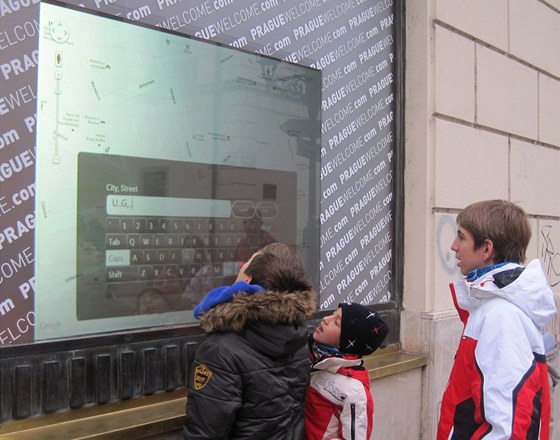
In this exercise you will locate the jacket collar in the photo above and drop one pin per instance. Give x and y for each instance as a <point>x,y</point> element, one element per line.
<point>276,308</point>
<point>529,291</point>
<point>333,364</point>
<point>477,273</point>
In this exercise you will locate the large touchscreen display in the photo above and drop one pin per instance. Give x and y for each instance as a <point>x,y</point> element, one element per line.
<point>163,161</point>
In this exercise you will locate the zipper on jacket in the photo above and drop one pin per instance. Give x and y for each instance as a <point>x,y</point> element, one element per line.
<point>353,421</point>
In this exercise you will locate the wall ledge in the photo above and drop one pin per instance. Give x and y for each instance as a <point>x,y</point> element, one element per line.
<point>131,419</point>
<point>391,360</point>
<point>444,314</point>
<point>159,413</point>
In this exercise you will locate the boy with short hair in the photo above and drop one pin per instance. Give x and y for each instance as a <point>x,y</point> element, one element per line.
<point>250,374</point>
<point>338,403</point>
<point>498,387</point>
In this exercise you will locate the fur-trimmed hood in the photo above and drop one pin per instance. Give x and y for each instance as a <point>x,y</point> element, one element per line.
<point>276,308</point>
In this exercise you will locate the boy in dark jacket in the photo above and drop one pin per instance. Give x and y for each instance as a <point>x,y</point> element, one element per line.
<point>249,376</point>
<point>338,403</point>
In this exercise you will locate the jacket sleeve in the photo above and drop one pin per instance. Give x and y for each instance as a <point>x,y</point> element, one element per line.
<point>214,395</point>
<point>224,294</point>
<point>506,364</point>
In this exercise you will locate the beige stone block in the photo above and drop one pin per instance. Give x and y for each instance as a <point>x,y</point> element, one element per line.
<point>549,251</point>
<point>532,249</point>
<point>438,333</point>
<point>483,19</point>
<point>394,397</point>
<point>554,328</point>
<point>535,178</point>
<point>445,268</point>
<point>507,94</point>
<point>419,108</point>
<point>549,110</point>
<point>447,333</point>
<point>454,75</point>
<point>471,165</point>
<point>534,34</point>
<point>413,337</point>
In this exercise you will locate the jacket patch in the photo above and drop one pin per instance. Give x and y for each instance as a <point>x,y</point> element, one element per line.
<point>202,376</point>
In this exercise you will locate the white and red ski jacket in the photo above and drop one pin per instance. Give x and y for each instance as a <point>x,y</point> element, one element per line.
<point>498,387</point>
<point>338,403</point>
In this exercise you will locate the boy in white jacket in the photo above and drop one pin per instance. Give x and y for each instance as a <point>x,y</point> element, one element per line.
<point>338,402</point>
<point>498,388</point>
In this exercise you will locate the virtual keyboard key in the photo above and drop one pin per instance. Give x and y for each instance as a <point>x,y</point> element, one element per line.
<point>147,240</point>
<point>200,226</point>
<point>133,241</point>
<point>136,257</point>
<point>177,225</point>
<point>117,257</point>
<point>162,256</point>
<point>150,257</point>
<point>127,225</point>
<point>145,272</point>
<point>183,271</point>
<point>158,272</point>
<point>175,256</point>
<point>159,241</point>
<point>152,225</point>
<point>125,273</point>
<point>188,256</point>
<point>115,241</point>
<point>173,241</point>
<point>139,225</point>
<point>171,271</point>
<point>112,224</point>
<point>164,224</point>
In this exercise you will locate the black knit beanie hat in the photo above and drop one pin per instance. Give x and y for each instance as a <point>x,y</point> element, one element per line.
<point>362,330</point>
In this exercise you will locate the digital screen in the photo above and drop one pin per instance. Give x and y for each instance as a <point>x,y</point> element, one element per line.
<point>163,163</point>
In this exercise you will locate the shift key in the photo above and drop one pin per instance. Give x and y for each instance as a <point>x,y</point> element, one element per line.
<point>122,273</point>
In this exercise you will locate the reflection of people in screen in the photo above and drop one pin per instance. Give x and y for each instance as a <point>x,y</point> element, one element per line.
<point>152,300</point>
<point>256,238</point>
<point>206,276</point>
<point>200,284</point>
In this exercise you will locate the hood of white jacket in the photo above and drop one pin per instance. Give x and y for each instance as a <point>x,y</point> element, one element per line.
<point>530,292</point>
